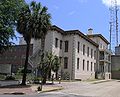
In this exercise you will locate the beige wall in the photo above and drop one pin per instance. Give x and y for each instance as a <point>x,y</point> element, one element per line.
<point>72,72</point>
<point>80,73</point>
<point>100,42</point>
<point>72,53</point>
<point>103,47</point>
<point>60,52</point>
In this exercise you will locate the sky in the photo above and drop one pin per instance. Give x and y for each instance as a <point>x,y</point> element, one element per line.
<point>80,15</point>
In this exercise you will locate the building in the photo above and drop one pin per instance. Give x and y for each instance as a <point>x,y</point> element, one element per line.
<point>115,60</point>
<point>117,50</point>
<point>13,58</point>
<point>82,57</point>
<point>104,54</point>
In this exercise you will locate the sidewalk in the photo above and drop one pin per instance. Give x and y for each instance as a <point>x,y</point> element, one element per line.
<point>100,81</point>
<point>47,88</point>
<point>28,90</point>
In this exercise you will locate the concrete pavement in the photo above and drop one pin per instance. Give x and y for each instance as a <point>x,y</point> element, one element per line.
<point>104,89</point>
<point>28,90</point>
<point>73,89</point>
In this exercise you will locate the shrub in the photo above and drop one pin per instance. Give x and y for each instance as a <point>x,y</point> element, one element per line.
<point>10,78</point>
<point>36,80</point>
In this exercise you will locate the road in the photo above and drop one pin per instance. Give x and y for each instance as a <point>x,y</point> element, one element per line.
<point>105,89</point>
<point>50,94</point>
<point>81,89</point>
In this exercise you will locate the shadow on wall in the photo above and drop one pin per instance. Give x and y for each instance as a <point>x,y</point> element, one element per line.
<point>65,75</point>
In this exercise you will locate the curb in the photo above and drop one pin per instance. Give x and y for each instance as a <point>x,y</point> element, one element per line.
<point>60,88</point>
<point>14,93</point>
<point>101,81</point>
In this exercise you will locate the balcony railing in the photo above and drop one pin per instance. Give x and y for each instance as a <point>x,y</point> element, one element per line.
<point>104,59</point>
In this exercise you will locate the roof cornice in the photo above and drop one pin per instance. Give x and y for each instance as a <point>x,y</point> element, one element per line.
<point>99,35</point>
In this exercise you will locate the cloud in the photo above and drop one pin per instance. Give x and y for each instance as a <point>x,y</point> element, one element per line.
<point>108,3</point>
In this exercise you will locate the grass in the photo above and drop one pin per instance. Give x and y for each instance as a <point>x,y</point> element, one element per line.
<point>19,76</point>
<point>2,77</point>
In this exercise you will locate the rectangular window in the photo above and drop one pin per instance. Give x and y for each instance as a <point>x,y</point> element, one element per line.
<point>94,67</point>
<point>60,58</point>
<point>83,64</point>
<point>91,53</point>
<point>56,42</point>
<point>60,44</point>
<point>66,46</point>
<point>83,49</point>
<point>77,63</point>
<point>91,66</point>
<point>88,51</point>
<point>78,46</point>
<point>94,54</point>
<point>87,65</point>
<point>65,62</point>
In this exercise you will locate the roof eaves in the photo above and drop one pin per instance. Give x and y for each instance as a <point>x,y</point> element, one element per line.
<point>82,35</point>
<point>54,27</point>
<point>101,36</point>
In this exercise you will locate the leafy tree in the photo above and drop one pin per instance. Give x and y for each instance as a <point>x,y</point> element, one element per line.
<point>8,16</point>
<point>33,22</point>
<point>56,65</point>
<point>51,63</point>
<point>49,60</point>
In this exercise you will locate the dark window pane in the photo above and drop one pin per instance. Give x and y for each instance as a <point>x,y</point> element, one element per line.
<point>77,63</point>
<point>87,65</point>
<point>83,64</point>
<point>65,62</point>
<point>66,46</point>
<point>88,51</point>
<point>56,42</point>
<point>83,49</point>
<point>91,66</point>
<point>78,46</point>
<point>60,44</point>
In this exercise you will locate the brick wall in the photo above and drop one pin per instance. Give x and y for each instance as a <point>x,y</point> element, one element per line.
<point>15,56</point>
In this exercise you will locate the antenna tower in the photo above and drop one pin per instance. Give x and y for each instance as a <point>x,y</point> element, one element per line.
<point>114,25</point>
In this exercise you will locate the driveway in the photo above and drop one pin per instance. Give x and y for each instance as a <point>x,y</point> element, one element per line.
<point>104,89</point>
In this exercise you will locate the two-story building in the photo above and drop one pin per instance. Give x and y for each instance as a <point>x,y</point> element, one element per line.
<point>104,54</point>
<point>82,56</point>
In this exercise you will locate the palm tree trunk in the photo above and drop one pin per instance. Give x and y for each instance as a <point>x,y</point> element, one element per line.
<point>26,64</point>
<point>56,75</point>
<point>42,57</point>
<point>49,75</point>
<point>44,79</point>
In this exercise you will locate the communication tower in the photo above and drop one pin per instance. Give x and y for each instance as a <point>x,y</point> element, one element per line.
<point>114,31</point>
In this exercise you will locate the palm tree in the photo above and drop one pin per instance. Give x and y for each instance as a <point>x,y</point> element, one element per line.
<point>33,22</point>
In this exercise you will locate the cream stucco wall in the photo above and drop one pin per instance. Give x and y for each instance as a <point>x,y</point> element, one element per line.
<point>80,73</point>
<point>72,54</point>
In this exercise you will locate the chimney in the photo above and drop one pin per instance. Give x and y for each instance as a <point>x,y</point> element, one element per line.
<point>90,31</point>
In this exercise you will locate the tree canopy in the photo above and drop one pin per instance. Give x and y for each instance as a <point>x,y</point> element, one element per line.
<point>9,10</point>
<point>33,22</point>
